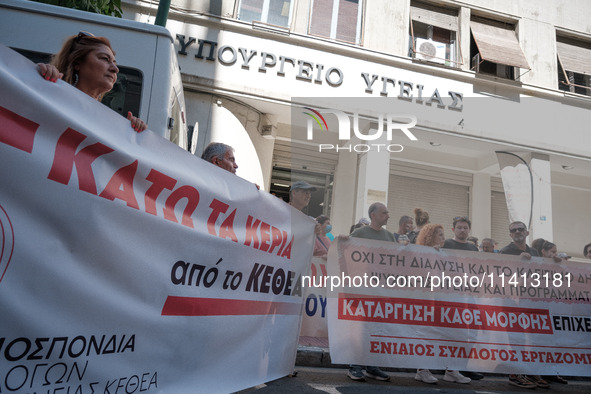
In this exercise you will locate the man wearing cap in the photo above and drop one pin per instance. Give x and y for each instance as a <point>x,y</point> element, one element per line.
<point>300,193</point>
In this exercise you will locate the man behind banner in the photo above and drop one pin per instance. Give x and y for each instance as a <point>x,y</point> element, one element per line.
<point>378,217</point>
<point>300,194</point>
<point>488,245</point>
<point>518,233</point>
<point>221,155</point>
<point>461,229</point>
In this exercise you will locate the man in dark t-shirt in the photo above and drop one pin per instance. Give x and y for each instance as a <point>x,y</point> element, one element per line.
<point>518,233</point>
<point>461,229</point>
<point>378,217</point>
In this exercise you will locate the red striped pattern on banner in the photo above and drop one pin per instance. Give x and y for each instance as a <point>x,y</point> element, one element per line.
<point>192,306</point>
<point>17,131</point>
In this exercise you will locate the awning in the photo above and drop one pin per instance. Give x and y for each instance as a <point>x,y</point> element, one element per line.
<point>574,58</point>
<point>440,18</point>
<point>498,45</point>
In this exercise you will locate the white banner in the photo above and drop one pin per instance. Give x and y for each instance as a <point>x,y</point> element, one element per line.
<point>130,265</point>
<point>413,306</point>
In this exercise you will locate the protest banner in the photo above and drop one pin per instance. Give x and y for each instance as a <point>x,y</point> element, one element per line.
<point>414,306</point>
<point>314,316</point>
<point>130,265</point>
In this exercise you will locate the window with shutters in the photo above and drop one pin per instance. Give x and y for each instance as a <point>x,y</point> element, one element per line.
<point>574,65</point>
<point>433,32</point>
<point>338,20</point>
<point>272,12</point>
<point>495,49</point>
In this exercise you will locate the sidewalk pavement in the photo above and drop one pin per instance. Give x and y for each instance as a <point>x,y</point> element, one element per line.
<point>316,380</point>
<point>313,352</point>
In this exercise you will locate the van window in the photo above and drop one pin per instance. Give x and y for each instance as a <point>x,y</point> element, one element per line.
<point>124,97</point>
<point>126,93</point>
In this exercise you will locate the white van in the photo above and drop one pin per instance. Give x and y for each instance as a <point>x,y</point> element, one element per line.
<point>149,82</point>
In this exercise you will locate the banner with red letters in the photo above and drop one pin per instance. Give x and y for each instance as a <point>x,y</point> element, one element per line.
<point>130,265</point>
<point>415,306</point>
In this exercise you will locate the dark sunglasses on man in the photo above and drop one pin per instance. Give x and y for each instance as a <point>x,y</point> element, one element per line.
<point>522,229</point>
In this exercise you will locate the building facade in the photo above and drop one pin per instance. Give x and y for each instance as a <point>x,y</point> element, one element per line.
<point>467,79</point>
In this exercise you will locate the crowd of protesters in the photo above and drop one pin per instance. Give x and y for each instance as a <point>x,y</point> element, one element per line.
<point>422,232</point>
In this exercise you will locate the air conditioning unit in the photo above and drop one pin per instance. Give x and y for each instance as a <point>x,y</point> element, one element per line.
<point>430,50</point>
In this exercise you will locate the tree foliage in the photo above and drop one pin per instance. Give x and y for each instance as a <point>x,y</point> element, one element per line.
<point>104,7</point>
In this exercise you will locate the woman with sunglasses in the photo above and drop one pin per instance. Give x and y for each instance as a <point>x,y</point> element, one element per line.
<point>88,63</point>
